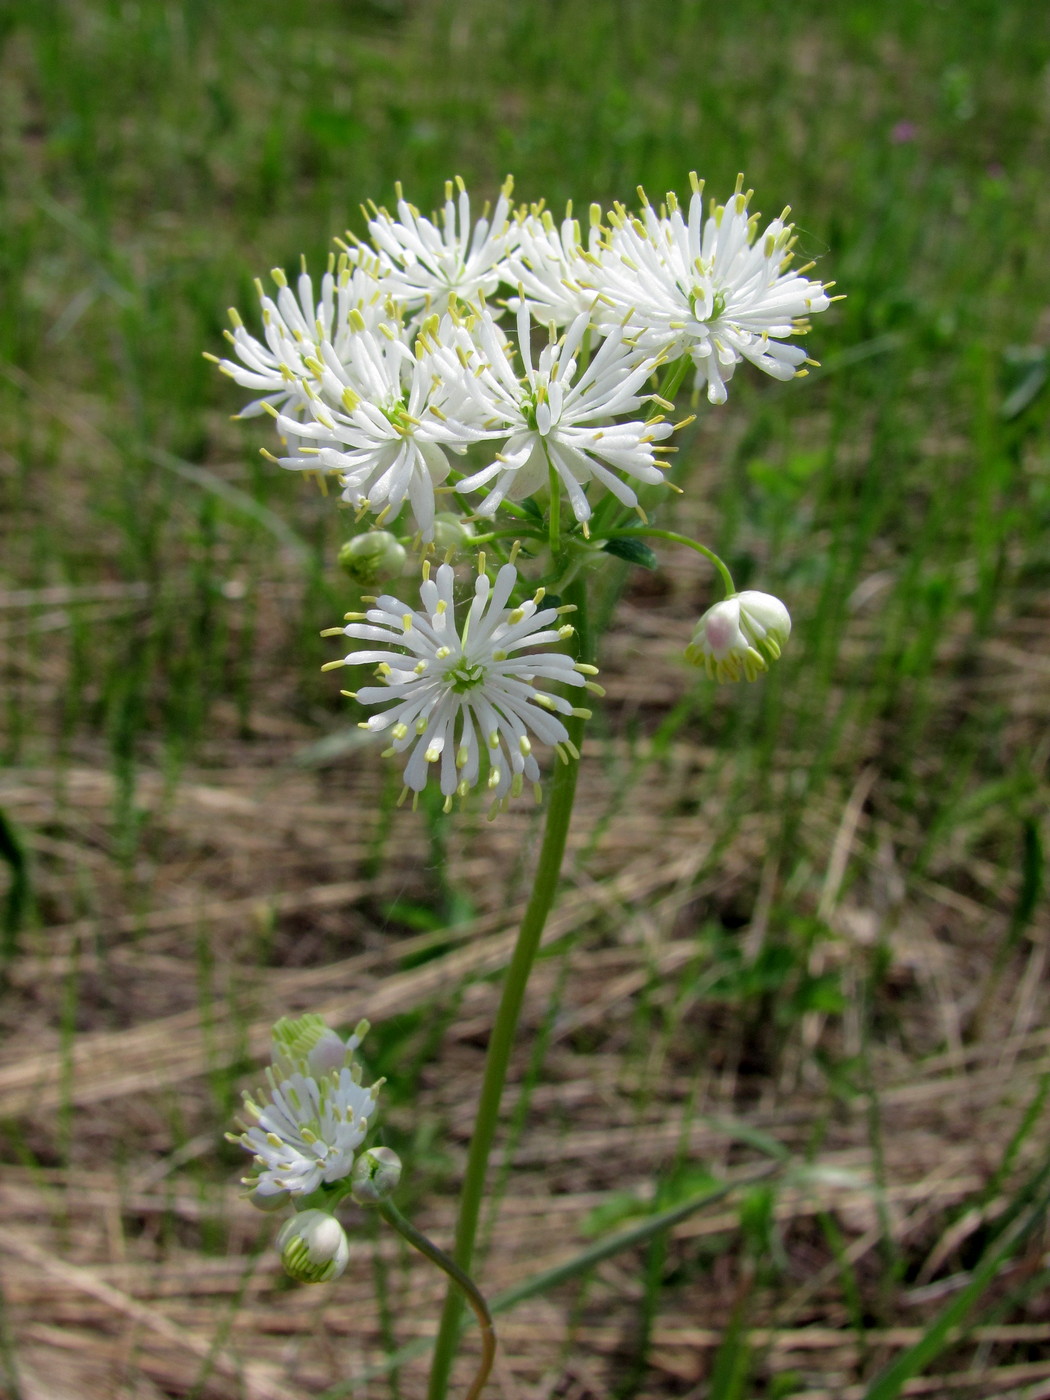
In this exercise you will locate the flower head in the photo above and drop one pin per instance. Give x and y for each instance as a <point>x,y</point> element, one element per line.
<point>557,417</point>
<point>305,1128</point>
<point>294,324</point>
<point>552,267</point>
<point>710,287</point>
<point>425,266</point>
<point>462,698</point>
<point>740,636</point>
<point>379,416</point>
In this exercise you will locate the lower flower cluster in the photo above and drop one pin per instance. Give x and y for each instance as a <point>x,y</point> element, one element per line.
<point>303,1132</point>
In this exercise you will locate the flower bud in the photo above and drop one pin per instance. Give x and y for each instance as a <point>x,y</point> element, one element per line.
<point>306,1045</point>
<point>372,557</point>
<point>314,1247</point>
<point>375,1176</point>
<point>740,636</point>
<point>450,532</point>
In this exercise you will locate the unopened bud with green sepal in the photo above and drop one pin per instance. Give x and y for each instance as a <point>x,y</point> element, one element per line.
<point>372,557</point>
<point>314,1247</point>
<point>375,1176</point>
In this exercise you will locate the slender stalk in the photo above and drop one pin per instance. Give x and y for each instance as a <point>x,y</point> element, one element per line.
<point>651,533</point>
<point>461,1280</point>
<point>554,512</point>
<point>545,885</point>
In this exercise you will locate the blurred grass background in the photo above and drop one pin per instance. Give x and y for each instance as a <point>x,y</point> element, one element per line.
<point>801,919</point>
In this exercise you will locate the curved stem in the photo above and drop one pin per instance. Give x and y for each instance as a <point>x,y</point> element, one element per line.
<point>673,538</point>
<point>462,1280</point>
<point>501,1042</point>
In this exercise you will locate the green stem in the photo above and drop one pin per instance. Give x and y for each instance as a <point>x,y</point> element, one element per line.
<point>548,869</point>
<point>675,374</point>
<point>554,512</point>
<point>670,535</point>
<point>461,1280</point>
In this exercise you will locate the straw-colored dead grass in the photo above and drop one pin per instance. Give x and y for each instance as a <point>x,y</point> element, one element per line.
<point>132,1268</point>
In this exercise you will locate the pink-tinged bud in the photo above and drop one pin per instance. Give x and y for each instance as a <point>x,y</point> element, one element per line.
<point>739,637</point>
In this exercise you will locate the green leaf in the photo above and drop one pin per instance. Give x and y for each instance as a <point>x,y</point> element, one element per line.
<point>634,550</point>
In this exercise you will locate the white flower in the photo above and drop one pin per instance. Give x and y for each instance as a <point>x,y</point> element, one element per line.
<point>308,1130</point>
<point>711,288</point>
<point>556,420</point>
<point>464,698</point>
<point>378,417</point>
<point>424,266</point>
<point>313,1247</point>
<point>740,636</point>
<point>552,268</point>
<point>294,326</point>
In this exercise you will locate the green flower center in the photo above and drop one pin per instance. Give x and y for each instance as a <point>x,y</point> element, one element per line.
<point>465,675</point>
<point>718,304</point>
<point>396,414</point>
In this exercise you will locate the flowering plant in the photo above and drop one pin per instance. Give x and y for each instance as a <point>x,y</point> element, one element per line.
<point>495,398</point>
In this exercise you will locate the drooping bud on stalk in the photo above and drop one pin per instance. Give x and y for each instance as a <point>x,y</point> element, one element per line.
<point>375,1176</point>
<point>314,1247</point>
<point>740,636</point>
<point>372,558</point>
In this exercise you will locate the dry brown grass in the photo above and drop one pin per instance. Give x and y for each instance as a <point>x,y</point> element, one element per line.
<point>251,896</point>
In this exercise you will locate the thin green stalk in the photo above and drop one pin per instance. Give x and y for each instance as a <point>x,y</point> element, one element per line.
<point>674,538</point>
<point>461,1281</point>
<point>554,513</point>
<point>545,885</point>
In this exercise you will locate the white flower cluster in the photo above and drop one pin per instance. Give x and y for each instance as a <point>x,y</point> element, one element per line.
<point>400,364</point>
<point>306,1127</point>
